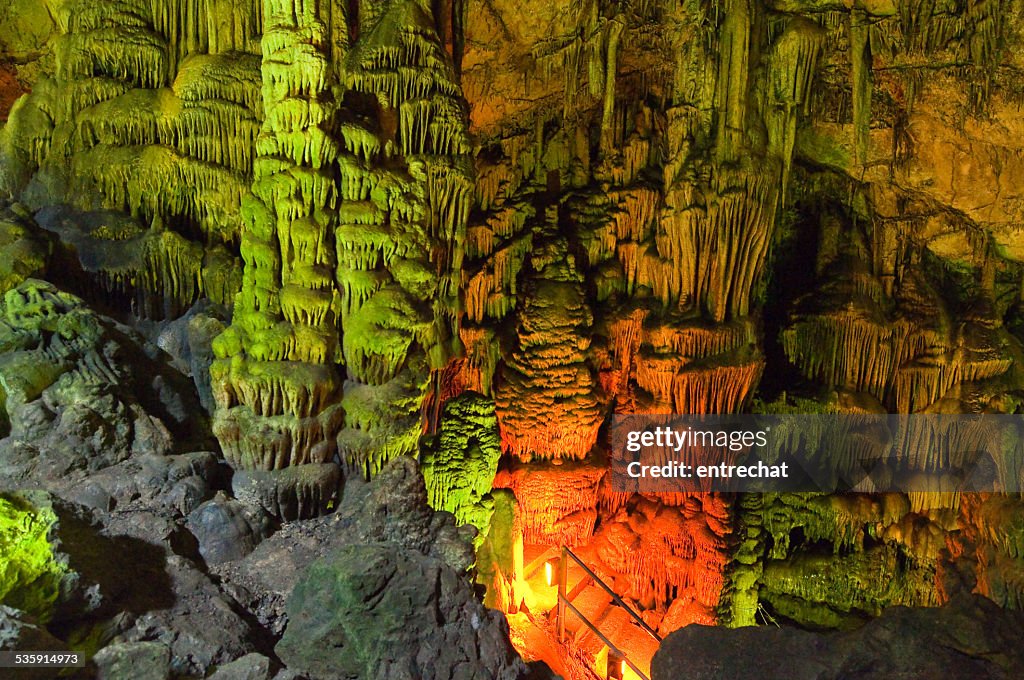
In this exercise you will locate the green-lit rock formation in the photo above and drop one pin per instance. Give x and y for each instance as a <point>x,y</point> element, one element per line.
<point>274,381</point>
<point>31,574</point>
<point>142,110</point>
<point>26,251</point>
<point>459,467</point>
<point>406,184</point>
<point>80,392</point>
<point>352,241</point>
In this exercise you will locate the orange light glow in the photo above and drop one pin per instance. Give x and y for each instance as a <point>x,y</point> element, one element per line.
<point>616,669</point>
<point>549,573</point>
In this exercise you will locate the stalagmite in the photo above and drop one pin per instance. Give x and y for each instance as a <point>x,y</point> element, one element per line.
<point>459,469</point>
<point>284,335</point>
<point>546,402</point>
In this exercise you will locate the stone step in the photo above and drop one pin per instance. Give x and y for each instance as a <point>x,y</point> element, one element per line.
<point>593,603</point>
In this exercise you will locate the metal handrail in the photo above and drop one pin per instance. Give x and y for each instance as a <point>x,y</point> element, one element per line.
<point>601,636</point>
<point>566,552</point>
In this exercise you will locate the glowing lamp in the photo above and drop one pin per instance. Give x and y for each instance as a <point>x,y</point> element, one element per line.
<point>549,572</point>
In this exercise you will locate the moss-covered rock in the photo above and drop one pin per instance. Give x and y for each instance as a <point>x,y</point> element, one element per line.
<point>24,249</point>
<point>80,391</point>
<point>374,611</point>
<point>31,572</point>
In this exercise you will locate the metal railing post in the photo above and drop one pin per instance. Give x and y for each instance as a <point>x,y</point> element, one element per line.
<point>565,605</point>
<point>563,582</point>
<point>611,593</point>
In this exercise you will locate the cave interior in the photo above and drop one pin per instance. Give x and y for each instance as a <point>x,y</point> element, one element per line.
<point>315,316</point>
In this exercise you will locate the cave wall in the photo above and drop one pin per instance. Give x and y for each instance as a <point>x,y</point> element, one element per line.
<point>565,210</point>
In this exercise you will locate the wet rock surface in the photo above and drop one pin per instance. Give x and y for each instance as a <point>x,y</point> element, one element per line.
<point>227,529</point>
<point>142,660</point>
<point>217,591</point>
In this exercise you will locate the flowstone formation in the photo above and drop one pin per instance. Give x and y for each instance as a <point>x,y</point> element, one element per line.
<point>352,242</point>
<point>763,206</point>
<point>153,109</point>
<point>623,227</point>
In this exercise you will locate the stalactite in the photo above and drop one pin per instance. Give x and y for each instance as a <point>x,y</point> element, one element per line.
<point>902,350</point>
<point>555,505</point>
<point>718,389</point>
<point>369,439</point>
<point>140,130</point>
<point>614,34</point>
<point>733,71</point>
<point>482,356</point>
<point>792,64</point>
<point>991,531</point>
<point>491,291</point>
<point>157,181</point>
<point>636,213</point>
<point>866,581</point>
<point>495,183</point>
<point>130,53</point>
<point>370,248</point>
<point>860,59</point>
<point>626,335</point>
<point>710,254</point>
<point>974,35</point>
<point>183,25</point>
<point>848,542</point>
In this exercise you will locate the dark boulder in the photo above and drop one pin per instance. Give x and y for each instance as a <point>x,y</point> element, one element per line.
<point>297,492</point>
<point>383,612</point>
<point>971,637</point>
<point>228,529</point>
